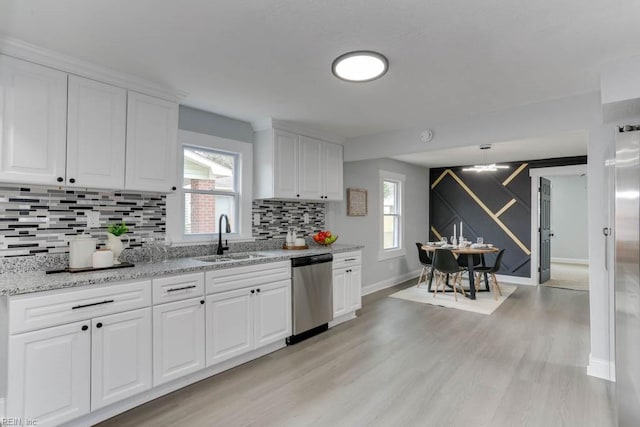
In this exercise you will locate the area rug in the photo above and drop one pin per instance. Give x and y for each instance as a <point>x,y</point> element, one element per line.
<point>483,304</point>
<point>569,276</point>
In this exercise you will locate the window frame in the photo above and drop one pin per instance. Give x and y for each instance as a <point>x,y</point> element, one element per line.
<point>242,181</point>
<point>400,250</point>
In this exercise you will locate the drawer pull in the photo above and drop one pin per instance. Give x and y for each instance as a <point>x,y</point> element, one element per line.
<point>351,259</point>
<point>181,289</point>
<point>108,301</point>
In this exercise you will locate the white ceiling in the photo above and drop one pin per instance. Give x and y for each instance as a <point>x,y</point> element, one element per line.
<point>271,58</point>
<point>565,145</point>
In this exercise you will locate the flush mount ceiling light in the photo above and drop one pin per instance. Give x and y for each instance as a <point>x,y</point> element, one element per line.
<point>360,66</point>
<point>486,167</point>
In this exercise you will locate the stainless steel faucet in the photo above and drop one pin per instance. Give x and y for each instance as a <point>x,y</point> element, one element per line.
<point>221,248</point>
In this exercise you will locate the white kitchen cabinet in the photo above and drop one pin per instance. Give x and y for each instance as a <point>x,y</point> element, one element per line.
<point>33,123</point>
<point>245,319</point>
<point>120,356</point>
<point>347,283</point>
<point>178,339</point>
<point>152,129</point>
<point>229,325</point>
<point>292,166</point>
<point>96,134</point>
<point>49,374</point>
<point>310,175</point>
<point>332,166</point>
<point>272,307</point>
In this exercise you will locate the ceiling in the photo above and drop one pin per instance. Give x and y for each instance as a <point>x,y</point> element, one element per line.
<point>564,145</point>
<point>272,58</point>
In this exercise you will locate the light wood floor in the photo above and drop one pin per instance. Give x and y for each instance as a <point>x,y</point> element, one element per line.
<point>403,363</point>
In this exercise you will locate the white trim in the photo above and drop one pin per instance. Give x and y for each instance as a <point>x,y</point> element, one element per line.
<point>341,319</point>
<point>601,368</point>
<point>175,211</point>
<point>400,251</point>
<point>535,174</point>
<point>570,261</point>
<point>270,123</point>
<point>117,408</point>
<point>49,58</point>
<point>387,283</point>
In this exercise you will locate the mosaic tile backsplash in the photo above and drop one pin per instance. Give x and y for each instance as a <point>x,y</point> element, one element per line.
<point>36,220</point>
<point>276,216</point>
<point>36,224</point>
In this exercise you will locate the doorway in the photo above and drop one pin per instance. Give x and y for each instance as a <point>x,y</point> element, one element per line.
<point>559,227</point>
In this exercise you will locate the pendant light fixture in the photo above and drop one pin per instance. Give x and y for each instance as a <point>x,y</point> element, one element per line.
<point>486,167</point>
<point>360,66</point>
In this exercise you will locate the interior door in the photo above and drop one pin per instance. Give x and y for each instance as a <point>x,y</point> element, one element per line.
<point>545,230</point>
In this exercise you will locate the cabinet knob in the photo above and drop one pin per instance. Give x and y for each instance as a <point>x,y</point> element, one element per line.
<point>252,291</point>
<point>72,180</point>
<point>85,327</point>
<point>258,290</point>
<point>297,195</point>
<point>201,301</point>
<point>99,325</point>
<point>174,188</point>
<point>60,179</point>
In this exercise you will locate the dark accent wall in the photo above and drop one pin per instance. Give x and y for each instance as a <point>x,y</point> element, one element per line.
<point>499,212</point>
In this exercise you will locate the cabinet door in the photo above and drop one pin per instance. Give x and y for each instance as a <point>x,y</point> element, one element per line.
<point>178,339</point>
<point>272,304</point>
<point>120,356</point>
<point>339,292</point>
<point>285,168</point>
<point>49,375</point>
<point>332,171</point>
<point>309,168</point>
<point>33,123</point>
<point>152,130</point>
<point>229,325</point>
<point>96,132</point>
<point>354,292</point>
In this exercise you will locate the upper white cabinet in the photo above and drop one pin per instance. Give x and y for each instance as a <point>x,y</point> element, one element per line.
<point>62,129</point>
<point>292,166</point>
<point>33,122</point>
<point>152,132</point>
<point>96,132</point>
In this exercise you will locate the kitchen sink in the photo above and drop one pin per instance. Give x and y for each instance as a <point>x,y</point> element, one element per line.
<point>231,257</point>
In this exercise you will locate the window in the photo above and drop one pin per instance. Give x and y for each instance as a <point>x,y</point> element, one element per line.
<point>210,189</point>
<point>391,188</point>
<point>216,178</point>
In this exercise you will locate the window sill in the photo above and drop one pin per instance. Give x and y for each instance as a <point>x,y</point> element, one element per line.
<point>391,254</point>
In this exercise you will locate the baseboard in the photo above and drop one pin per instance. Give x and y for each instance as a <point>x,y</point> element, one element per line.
<point>570,261</point>
<point>387,283</point>
<point>342,319</point>
<point>601,368</point>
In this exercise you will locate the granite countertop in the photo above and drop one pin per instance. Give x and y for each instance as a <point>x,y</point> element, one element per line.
<point>39,281</point>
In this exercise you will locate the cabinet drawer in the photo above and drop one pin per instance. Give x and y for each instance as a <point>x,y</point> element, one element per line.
<point>30,312</point>
<point>177,288</point>
<point>347,259</point>
<point>228,279</point>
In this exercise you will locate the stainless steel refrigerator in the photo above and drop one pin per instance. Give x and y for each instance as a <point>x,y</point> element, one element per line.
<point>627,276</point>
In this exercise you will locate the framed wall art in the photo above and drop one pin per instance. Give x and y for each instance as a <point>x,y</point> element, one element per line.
<point>356,202</point>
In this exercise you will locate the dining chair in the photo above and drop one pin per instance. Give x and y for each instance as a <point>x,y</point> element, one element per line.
<point>445,263</point>
<point>491,270</point>
<point>427,264</point>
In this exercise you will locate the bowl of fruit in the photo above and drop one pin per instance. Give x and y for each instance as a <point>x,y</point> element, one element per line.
<point>324,238</point>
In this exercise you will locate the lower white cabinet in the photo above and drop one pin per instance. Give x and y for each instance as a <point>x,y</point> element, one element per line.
<point>178,339</point>
<point>354,288</point>
<point>49,377</point>
<point>120,356</point>
<point>245,319</point>
<point>347,283</point>
<point>339,292</point>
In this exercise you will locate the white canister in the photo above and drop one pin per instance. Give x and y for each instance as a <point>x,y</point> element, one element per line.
<point>81,249</point>
<point>102,258</point>
<point>300,242</point>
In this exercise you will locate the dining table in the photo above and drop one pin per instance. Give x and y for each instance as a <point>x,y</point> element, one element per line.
<point>469,252</point>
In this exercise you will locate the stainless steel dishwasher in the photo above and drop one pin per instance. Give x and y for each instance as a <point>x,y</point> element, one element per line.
<point>311,296</point>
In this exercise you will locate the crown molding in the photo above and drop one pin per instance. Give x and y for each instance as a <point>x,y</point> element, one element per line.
<point>49,58</point>
<point>270,123</point>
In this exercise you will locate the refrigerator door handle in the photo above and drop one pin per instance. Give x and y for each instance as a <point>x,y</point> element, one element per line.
<point>607,232</point>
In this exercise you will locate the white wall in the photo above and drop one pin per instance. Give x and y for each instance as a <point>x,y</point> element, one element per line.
<point>577,113</point>
<point>366,230</point>
<point>569,218</point>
